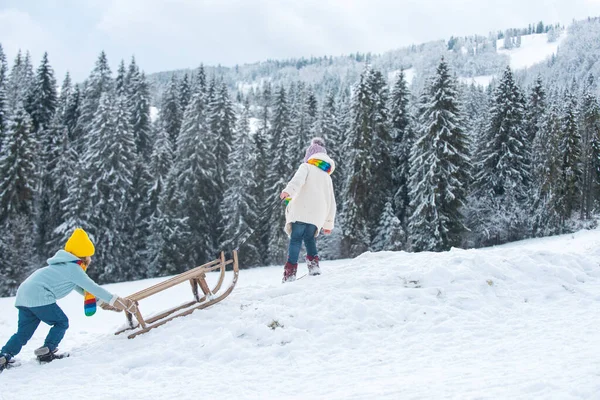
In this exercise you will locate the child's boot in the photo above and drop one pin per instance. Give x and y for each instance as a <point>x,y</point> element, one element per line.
<point>4,361</point>
<point>289,272</point>
<point>313,265</point>
<point>45,355</point>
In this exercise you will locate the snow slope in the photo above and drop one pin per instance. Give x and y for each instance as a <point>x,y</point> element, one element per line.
<point>534,49</point>
<point>518,321</point>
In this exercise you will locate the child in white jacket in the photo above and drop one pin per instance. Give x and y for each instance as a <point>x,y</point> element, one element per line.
<point>311,207</point>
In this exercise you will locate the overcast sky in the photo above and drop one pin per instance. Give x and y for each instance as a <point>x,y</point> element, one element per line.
<point>172,34</point>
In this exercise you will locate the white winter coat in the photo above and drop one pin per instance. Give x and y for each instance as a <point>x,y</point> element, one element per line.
<point>313,201</point>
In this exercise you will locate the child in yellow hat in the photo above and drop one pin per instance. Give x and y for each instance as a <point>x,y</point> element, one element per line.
<point>37,295</point>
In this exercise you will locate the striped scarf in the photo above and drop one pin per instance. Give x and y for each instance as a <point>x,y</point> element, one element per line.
<point>89,301</point>
<point>323,165</point>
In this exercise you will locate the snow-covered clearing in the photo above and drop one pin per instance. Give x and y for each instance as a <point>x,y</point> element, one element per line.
<point>519,321</point>
<point>534,49</point>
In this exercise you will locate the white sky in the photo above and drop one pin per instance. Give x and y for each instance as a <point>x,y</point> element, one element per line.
<point>171,34</point>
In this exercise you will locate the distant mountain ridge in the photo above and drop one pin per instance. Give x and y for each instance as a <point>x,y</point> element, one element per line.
<point>554,53</point>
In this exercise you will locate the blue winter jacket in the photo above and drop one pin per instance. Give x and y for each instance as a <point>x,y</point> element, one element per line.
<point>58,279</point>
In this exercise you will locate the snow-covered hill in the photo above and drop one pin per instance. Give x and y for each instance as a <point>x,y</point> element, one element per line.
<point>534,49</point>
<point>518,321</point>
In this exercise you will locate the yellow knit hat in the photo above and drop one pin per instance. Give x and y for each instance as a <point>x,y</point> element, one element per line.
<point>79,244</point>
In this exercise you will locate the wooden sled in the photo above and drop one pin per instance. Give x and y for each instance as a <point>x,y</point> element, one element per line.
<point>196,277</point>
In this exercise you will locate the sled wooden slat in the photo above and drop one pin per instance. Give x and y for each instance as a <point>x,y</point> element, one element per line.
<point>197,279</point>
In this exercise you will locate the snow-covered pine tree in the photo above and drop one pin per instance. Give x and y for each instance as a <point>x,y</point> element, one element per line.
<point>121,81</point>
<point>280,172</point>
<point>161,162</point>
<point>66,192</point>
<point>569,185</point>
<point>300,120</point>
<point>390,234</point>
<point>48,199</point>
<point>184,236</point>
<point>239,203</point>
<point>331,132</point>
<point>110,161</point>
<point>3,96</point>
<point>312,108</point>
<point>139,109</point>
<point>402,137</point>
<point>98,83</point>
<point>17,167</point>
<point>66,91</point>
<point>440,167</point>
<point>17,184</point>
<point>536,106</point>
<point>43,101</point>
<point>221,121</point>
<point>381,185</point>
<point>72,112</point>
<point>502,181</point>
<point>185,92</point>
<point>19,82</point>
<point>17,253</point>
<point>171,112</point>
<point>263,197</point>
<point>589,127</point>
<point>357,189</point>
<point>546,162</point>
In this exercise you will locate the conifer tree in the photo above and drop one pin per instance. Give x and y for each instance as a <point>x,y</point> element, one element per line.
<point>239,204</point>
<point>503,167</point>
<point>546,174</point>
<point>535,109</point>
<point>402,138</point>
<point>17,167</point>
<point>332,133</point>
<point>282,141</point>
<point>569,190</point>
<point>381,185</point>
<point>98,83</point>
<point>356,197</point>
<point>440,166</point>
<point>110,161</point>
<point>3,96</point>
<point>171,112</point>
<point>261,192</point>
<point>221,120</point>
<point>19,82</point>
<point>139,109</point>
<point>390,234</point>
<point>188,200</point>
<point>185,92</point>
<point>589,127</point>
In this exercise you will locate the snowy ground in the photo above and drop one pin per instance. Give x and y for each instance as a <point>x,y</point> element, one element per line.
<point>519,321</point>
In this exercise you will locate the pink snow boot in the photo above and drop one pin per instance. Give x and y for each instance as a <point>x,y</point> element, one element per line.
<point>289,273</point>
<point>313,265</point>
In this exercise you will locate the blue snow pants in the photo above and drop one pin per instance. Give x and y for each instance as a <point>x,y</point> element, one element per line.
<point>29,320</point>
<point>302,231</point>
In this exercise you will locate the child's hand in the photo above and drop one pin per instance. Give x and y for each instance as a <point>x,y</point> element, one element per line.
<point>327,231</point>
<point>108,307</point>
<point>283,195</point>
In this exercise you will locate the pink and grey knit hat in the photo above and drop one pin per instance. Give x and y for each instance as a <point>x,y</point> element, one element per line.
<point>317,145</point>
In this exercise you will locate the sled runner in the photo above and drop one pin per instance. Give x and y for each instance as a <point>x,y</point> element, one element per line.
<point>196,277</point>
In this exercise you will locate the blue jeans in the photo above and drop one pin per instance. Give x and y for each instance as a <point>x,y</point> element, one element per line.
<point>302,231</point>
<point>29,320</point>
